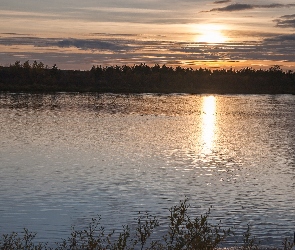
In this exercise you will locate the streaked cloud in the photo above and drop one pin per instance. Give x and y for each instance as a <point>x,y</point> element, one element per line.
<point>21,14</point>
<point>128,49</point>
<point>222,1</point>
<point>77,34</point>
<point>113,45</point>
<point>239,7</point>
<point>286,21</point>
<point>90,44</point>
<point>234,7</point>
<point>283,38</point>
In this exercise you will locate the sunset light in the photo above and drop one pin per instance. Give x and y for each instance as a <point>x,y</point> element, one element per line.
<point>208,123</point>
<point>210,33</point>
<point>113,109</point>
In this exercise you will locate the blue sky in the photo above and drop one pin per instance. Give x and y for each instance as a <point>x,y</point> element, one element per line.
<point>214,34</point>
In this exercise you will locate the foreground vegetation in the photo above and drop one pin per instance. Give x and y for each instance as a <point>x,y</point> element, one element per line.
<point>183,232</point>
<point>143,78</point>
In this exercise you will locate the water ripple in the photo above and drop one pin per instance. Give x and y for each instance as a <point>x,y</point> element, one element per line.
<point>65,158</point>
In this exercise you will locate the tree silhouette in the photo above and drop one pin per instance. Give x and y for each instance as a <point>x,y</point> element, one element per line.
<point>144,78</point>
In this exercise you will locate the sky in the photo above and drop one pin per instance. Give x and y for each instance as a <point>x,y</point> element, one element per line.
<point>77,34</point>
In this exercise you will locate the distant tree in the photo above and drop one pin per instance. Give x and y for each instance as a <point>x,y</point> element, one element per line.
<point>144,78</point>
<point>276,69</point>
<point>54,67</point>
<point>17,64</point>
<point>156,68</point>
<point>35,65</point>
<point>40,65</point>
<point>27,65</point>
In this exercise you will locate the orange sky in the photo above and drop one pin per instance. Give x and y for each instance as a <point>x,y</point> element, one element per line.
<point>78,34</point>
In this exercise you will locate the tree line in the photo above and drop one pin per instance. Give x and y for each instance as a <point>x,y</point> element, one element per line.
<point>142,78</point>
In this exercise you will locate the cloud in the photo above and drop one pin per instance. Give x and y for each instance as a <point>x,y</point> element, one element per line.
<point>254,34</point>
<point>233,7</point>
<point>10,13</point>
<point>109,50</point>
<point>239,7</point>
<point>287,21</point>
<point>282,38</point>
<point>92,44</point>
<point>114,45</point>
<point>222,1</point>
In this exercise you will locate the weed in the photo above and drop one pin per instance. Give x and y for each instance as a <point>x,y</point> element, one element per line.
<point>183,232</point>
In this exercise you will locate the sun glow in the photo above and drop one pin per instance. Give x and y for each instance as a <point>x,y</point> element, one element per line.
<point>208,123</point>
<point>210,33</point>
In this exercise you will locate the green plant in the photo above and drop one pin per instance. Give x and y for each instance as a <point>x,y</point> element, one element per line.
<point>22,241</point>
<point>122,242</point>
<point>192,233</point>
<point>145,227</point>
<point>249,242</point>
<point>287,244</point>
<point>92,238</point>
<point>184,232</point>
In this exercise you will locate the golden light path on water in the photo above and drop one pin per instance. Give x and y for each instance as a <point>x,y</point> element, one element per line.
<point>208,124</point>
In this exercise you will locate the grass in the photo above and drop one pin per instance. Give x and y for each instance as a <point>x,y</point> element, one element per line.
<point>183,232</point>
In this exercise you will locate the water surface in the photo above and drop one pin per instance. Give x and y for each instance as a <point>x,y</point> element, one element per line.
<point>66,158</point>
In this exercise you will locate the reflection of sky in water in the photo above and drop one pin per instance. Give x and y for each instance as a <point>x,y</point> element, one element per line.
<point>208,123</point>
<point>66,158</point>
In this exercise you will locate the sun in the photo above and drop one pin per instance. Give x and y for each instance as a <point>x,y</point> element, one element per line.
<point>210,33</point>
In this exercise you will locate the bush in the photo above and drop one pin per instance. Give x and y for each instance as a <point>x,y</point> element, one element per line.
<point>183,232</point>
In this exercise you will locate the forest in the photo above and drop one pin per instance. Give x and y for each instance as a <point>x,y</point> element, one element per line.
<point>142,78</point>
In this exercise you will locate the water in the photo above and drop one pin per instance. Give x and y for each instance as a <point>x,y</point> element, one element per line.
<point>66,158</point>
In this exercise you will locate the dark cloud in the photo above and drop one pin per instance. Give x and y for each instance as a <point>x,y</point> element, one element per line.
<point>274,5</point>
<point>114,45</point>
<point>282,38</point>
<point>222,1</point>
<point>287,21</point>
<point>9,33</point>
<point>92,44</point>
<point>239,7</point>
<point>234,7</point>
<point>19,40</point>
<point>256,35</point>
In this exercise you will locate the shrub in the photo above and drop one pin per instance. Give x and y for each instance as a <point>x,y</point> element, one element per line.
<point>183,232</point>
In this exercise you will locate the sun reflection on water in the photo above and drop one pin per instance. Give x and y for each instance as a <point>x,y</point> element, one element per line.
<point>208,123</point>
